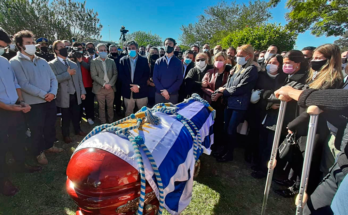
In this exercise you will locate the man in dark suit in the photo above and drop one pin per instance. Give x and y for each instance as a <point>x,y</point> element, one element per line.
<point>71,91</point>
<point>134,73</point>
<point>188,64</point>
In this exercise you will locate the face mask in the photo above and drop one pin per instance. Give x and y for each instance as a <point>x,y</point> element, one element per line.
<point>168,49</point>
<point>30,49</point>
<point>44,49</point>
<point>176,53</point>
<point>132,53</point>
<point>205,50</point>
<point>63,52</point>
<point>187,61</point>
<point>317,65</point>
<point>344,60</point>
<point>161,55</point>
<point>200,64</point>
<point>2,51</point>
<point>154,57</point>
<point>90,50</point>
<point>114,54</point>
<point>103,55</point>
<point>142,52</point>
<point>241,61</point>
<point>12,47</point>
<point>219,64</point>
<point>288,69</point>
<point>268,55</point>
<point>271,68</point>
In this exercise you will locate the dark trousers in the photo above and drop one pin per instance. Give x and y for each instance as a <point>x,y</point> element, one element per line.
<point>218,125</point>
<point>12,138</point>
<point>72,113</point>
<point>265,146</point>
<point>88,104</point>
<point>232,119</point>
<point>117,100</point>
<point>41,121</point>
<point>319,202</point>
<point>151,102</point>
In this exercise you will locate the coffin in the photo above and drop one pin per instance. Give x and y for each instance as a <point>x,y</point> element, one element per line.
<point>103,173</point>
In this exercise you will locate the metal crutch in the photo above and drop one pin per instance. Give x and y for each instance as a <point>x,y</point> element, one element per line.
<point>273,159</point>
<point>302,196</point>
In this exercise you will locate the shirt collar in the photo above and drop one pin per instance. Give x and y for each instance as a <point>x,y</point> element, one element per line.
<point>135,59</point>
<point>62,60</point>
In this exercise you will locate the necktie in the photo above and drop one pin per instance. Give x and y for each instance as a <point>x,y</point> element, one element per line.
<point>66,63</point>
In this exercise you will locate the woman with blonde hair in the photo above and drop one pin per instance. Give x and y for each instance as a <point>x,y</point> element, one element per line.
<point>237,93</point>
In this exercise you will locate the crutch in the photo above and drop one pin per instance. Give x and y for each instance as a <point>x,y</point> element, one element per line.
<point>273,159</point>
<point>302,196</point>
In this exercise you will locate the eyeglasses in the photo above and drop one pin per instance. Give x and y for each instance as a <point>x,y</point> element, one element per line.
<point>200,60</point>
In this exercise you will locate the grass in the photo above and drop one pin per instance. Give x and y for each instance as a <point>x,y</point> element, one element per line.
<point>219,189</point>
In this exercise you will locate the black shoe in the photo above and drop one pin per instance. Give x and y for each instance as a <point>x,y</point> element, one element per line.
<point>258,174</point>
<point>287,193</point>
<point>286,183</point>
<point>225,158</point>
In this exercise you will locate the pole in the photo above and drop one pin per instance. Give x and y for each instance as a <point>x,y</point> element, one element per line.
<point>302,197</point>
<point>273,159</point>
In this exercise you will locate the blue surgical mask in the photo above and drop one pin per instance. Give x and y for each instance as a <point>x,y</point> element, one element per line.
<point>187,61</point>
<point>241,61</point>
<point>132,53</point>
<point>2,51</point>
<point>205,50</point>
<point>103,55</point>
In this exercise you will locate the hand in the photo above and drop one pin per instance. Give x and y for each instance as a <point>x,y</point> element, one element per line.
<point>290,132</point>
<point>284,91</point>
<point>79,59</point>
<point>275,106</point>
<point>107,86</point>
<point>71,71</point>
<point>149,82</point>
<point>83,96</point>
<point>134,88</point>
<point>152,84</point>
<point>165,94</point>
<point>15,108</point>
<point>221,89</point>
<point>26,107</point>
<point>49,97</point>
<point>204,84</point>
<point>167,97</point>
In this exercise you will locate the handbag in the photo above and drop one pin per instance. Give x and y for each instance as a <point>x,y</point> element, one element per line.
<point>286,145</point>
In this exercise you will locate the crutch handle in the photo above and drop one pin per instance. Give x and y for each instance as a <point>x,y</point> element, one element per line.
<point>304,199</point>
<point>313,110</point>
<point>282,98</point>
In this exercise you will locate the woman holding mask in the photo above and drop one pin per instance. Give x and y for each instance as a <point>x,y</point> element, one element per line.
<point>237,93</point>
<point>214,79</point>
<point>152,57</point>
<point>196,74</point>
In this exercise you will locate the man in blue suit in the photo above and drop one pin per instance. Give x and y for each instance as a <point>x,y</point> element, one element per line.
<point>134,73</point>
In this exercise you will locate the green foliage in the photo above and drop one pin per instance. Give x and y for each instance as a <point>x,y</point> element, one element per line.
<point>184,48</point>
<point>343,42</point>
<point>261,37</point>
<point>319,16</point>
<point>144,39</point>
<point>224,17</point>
<point>56,19</point>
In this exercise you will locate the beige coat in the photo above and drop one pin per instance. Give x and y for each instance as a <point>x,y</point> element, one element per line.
<point>97,74</point>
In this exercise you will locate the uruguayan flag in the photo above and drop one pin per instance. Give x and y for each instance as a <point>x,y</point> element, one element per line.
<point>171,145</point>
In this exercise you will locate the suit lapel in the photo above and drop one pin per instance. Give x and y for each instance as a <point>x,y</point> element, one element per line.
<point>60,65</point>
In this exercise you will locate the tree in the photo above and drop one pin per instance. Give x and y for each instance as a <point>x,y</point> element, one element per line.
<point>261,37</point>
<point>319,16</point>
<point>55,19</point>
<point>144,39</point>
<point>343,42</point>
<point>222,19</point>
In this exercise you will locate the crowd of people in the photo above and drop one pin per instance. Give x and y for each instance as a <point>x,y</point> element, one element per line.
<point>242,84</point>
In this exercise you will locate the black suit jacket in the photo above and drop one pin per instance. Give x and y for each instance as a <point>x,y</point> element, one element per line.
<point>141,75</point>
<point>182,90</point>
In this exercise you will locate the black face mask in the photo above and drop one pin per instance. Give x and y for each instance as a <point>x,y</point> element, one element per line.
<point>176,53</point>
<point>261,60</point>
<point>44,49</point>
<point>114,54</point>
<point>90,50</point>
<point>142,52</point>
<point>317,65</point>
<point>63,52</point>
<point>344,60</point>
<point>154,57</point>
<point>161,55</point>
<point>168,49</point>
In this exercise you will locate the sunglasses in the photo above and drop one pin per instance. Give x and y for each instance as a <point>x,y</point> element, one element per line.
<point>200,60</point>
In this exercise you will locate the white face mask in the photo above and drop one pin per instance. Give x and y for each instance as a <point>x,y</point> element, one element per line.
<point>12,47</point>
<point>30,49</point>
<point>200,64</point>
<point>241,61</point>
<point>268,55</point>
<point>2,51</point>
<point>271,68</point>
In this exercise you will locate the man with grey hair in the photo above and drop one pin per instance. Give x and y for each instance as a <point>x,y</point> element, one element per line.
<point>104,74</point>
<point>134,73</point>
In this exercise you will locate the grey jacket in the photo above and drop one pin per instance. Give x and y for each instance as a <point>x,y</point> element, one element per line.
<point>97,74</point>
<point>36,78</point>
<point>63,77</point>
